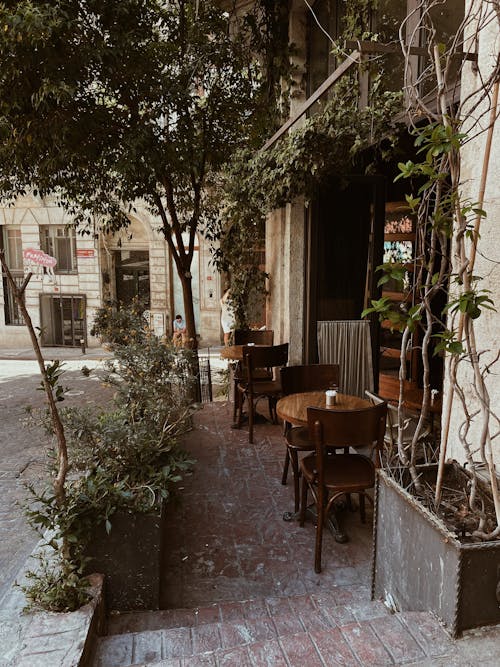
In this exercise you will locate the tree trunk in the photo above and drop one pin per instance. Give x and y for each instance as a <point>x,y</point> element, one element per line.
<point>187,295</point>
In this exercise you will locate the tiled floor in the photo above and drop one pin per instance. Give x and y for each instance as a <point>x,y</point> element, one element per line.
<point>227,538</point>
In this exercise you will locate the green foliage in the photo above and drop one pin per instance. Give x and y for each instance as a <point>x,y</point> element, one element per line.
<point>438,206</point>
<point>256,183</point>
<point>56,587</point>
<point>447,342</point>
<point>356,19</point>
<point>266,27</point>
<point>154,381</point>
<point>107,103</point>
<point>471,303</point>
<point>126,457</point>
<point>54,372</point>
<point>327,144</point>
<point>117,325</point>
<point>392,271</point>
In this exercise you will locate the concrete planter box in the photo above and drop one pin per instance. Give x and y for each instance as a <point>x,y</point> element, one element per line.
<point>62,639</point>
<point>130,558</point>
<point>419,565</point>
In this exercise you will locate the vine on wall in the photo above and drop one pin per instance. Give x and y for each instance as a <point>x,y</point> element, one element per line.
<point>331,143</point>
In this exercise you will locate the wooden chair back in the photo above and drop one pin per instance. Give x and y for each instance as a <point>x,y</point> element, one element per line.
<point>259,337</point>
<point>268,357</point>
<point>310,377</point>
<point>348,428</point>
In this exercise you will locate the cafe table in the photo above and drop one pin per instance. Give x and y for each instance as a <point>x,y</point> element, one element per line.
<point>232,352</point>
<point>293,409</point>
<point>235,352</point>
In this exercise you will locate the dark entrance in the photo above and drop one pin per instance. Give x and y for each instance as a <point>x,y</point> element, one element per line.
<point>345,245</point>
<point>63,320</point>
<point>132,276</point>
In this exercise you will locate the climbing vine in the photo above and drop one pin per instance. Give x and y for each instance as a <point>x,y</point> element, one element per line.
<point>341,137</point>
<point>330,144</point>
<point>448,218</point>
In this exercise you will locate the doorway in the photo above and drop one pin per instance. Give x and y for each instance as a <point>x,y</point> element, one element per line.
<point>63,320</point>
<point>345,241</point>
<point>132,276</point>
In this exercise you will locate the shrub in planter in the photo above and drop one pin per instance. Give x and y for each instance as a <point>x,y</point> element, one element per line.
<point>124,459</point>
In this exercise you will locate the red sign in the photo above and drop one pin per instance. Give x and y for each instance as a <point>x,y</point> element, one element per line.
<point>37,256</point>
<point>85,252</point>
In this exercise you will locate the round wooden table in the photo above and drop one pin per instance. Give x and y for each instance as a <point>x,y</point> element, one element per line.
<point>235,352</point>
<point>232,352</point>
<point>293,408</point>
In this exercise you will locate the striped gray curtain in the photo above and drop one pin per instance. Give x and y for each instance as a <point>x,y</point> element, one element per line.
<point>348,343</point>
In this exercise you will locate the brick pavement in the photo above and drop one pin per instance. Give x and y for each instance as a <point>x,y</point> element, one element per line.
<point>239,585</point>
<point>238,580</point>
<point>23,459</point>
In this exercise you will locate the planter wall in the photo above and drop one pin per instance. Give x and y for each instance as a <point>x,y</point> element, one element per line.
<point>419,565</point>
<point>130,558</point>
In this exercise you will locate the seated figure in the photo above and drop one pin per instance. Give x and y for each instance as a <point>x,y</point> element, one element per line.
<point>179,331</point>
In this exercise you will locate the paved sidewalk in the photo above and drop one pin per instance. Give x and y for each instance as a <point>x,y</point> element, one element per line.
<point>23,450</point>
<point>52,353</point>
<point>239,586</point>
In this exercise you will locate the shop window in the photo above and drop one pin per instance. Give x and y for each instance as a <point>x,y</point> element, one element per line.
<point>63,320</point>
<point>59,241</point>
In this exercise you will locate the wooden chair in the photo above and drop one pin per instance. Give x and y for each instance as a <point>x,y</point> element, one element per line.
<point>330,475</point>
<point>256,361</point>
<point>243,337</point>
<point>409,423</point>
<point>296,379</point>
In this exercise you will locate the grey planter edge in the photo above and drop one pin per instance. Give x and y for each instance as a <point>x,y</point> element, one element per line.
<point>454,558</point>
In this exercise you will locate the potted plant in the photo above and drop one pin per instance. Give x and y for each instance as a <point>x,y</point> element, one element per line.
<point>133,451</point>
<point>436,527</point>
<point>124,460</point>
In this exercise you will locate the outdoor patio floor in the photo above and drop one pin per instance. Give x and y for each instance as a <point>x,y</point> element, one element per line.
<point>227,539</point>
<point>239,586</point>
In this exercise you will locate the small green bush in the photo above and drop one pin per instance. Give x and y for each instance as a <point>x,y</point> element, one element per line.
<point>123,457</point>
<point>115,324</point>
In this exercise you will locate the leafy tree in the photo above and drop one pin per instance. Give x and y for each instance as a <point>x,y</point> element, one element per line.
<point>108,103</point>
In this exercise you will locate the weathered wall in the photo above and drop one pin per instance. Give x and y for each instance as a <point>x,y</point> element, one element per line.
<point>487,262</point>
<point>285,229</point>
<point>95,276</point>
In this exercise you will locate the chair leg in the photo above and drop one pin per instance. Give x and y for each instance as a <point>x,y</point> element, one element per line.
<point>241,399</point>
<point>250,420</point>
<point>349,502</point>
<point>303,501</point>
<point>362,507</point>
<point>285,467</point>
<point>272,409</point>
<point>294,458</point>
<point>235,399</point>
<point>319,533</point>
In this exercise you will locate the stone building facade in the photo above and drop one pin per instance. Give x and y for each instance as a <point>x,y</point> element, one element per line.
<point>91,271</point>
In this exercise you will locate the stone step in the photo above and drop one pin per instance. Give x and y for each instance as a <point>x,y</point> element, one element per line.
<point>302,631</point>
<point>127,622</point>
